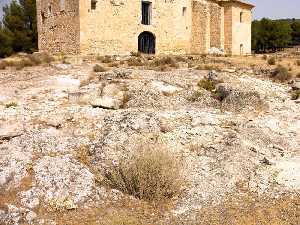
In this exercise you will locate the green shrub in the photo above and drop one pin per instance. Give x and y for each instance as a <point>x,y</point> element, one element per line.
<point>152,174</point>
<point>98,68</point>
<point>281,74</point>
<point>272,61</point>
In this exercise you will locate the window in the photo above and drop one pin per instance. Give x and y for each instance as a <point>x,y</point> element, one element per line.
<point>183,11</point>
<point>62,5</point>
<point>241,17</point>
<point>93,4</point>
<point>49,9</point>
<point>146,13</point>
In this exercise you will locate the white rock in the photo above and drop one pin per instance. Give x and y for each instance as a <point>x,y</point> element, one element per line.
<point>9,130</point>
<point>166,89</point>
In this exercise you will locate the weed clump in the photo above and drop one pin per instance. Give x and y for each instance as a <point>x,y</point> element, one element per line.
<point>165,61</point>
<point>296,95</point>
<point>151,174</point>
<point>281,74</point>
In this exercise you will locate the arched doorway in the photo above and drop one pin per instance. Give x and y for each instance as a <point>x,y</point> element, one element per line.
<point>146,43</point>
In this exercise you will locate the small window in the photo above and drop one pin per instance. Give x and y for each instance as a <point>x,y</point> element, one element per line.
<point>93,4</point>
<point>49,9</point>
<point>183,11</point>
<point>241,17</point>
<point>146,13</point>
<point>62,5</point>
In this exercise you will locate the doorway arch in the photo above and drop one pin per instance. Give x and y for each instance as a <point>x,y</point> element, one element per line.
<point>146,43</point>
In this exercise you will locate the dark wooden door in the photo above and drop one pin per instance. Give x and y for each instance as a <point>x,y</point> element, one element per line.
<point>146,43</point>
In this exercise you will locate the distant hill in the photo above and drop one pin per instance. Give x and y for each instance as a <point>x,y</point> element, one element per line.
<point>289,20</point>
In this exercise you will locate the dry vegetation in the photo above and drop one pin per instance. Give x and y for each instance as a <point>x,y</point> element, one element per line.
<point>281,74</point>
<point>151,174</point>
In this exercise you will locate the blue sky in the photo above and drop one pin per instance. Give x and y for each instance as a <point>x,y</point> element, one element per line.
<point>273,9</point>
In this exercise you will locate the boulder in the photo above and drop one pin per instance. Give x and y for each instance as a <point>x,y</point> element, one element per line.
<point>8,131</point>
<point>113,96</point>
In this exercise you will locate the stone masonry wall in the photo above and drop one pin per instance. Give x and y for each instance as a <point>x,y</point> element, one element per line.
<point>114,26</point>
<point>58,26</point>
<point>216,25</point>
<point>200,27</point>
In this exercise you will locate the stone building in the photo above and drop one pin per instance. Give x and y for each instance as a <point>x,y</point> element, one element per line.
<point>115,27</point>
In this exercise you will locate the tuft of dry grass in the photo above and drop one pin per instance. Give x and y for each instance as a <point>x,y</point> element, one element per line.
<point>281,74</point>
<point>3,65</point>
<point>98,68</point>
<point>207,84</point>
<point>272,61</point>
<point>11,105</point>
<point>297,62</point>
<point>136,54</point>
<point>151,174</point>
<point>298,75</point>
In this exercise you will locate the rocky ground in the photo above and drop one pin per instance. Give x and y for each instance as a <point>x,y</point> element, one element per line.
<point>62,124</point>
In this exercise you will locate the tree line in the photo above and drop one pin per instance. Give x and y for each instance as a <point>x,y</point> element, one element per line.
<point>18,31</point>
<point>274,35</point>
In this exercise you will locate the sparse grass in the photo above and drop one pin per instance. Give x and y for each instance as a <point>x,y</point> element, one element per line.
<point>196,96</point>
<point>152,174</point>
<point>11,105</point>
<point>272,61</point>
<point>98,68</point>
<point>296,95</point>
<point>281,74</point>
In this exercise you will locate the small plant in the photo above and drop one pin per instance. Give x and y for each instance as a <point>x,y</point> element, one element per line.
<point>272,61</point>
<point>195,96</point>
<point>298,75</point>
<point>113,64</point>
<point>151,174</point>
<point>296,95</point>
<point>208,67</point>
<point>264,57</point>
<point>297,63</point>
<point>11,105</point>
<point>281,74</point>
<point>98,68</point>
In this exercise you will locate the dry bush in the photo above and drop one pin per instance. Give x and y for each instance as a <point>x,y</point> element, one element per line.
<point>11,105</point>
<point>298,75</point>
<point>195,96</point>
<point>208,67</point>
<point>281,74</point>
<point>297,63</point>
<point>272,61</point>
<point>105,59</point>
<point>136,54</point>
<point>151,174</point>
<point>135,61</point>
<point>98,68</point>
<point>113,64</point>
<point>165,61</point>
<point>264,57</point>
